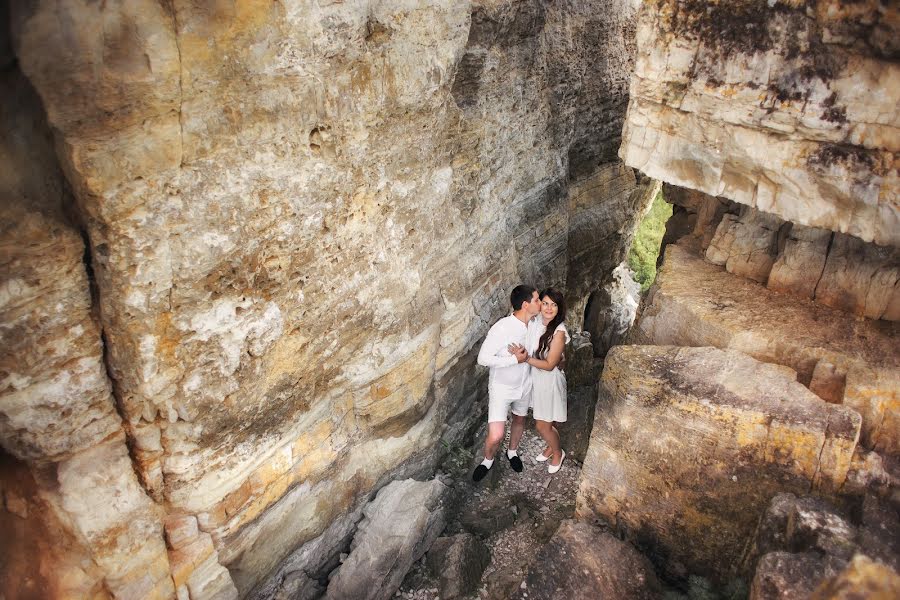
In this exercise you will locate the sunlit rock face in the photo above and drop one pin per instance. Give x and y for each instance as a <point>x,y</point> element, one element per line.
<point>690,444</point>
<point>75,521</point>
<point>834,269</point>
<point>301,219</point>
<point>787,106</point>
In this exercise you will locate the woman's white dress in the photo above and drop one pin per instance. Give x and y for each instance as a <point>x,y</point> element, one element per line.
<point>548,395</point>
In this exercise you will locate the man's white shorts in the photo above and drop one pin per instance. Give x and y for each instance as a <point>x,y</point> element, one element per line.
<point>498,408</point>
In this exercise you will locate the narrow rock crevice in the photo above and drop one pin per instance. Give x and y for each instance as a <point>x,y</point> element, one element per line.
<point>173,12</point>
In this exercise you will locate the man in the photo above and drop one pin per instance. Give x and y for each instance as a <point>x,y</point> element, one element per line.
<point>509,383</point>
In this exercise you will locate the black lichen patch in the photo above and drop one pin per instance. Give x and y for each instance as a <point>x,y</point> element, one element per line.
<point>787,94</point>
<point>853,158</point>
<point>725,29</point>
<point>833,112</point>
<point>737,26</point>
<point>377,32</point>
<point>468,79</point>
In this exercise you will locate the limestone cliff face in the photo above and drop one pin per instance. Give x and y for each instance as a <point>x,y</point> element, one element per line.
<point>301,219</point>
<point>787,106</point>
<point>769,360</point>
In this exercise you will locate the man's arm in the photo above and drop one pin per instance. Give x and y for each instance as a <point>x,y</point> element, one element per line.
<point>489,355</point>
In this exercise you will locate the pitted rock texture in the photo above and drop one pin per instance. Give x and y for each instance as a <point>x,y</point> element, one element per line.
<point>302,218</point>
<point>790,575</point>
<point>689,445</point>
<point>847,360</point>
<point>789,107</point>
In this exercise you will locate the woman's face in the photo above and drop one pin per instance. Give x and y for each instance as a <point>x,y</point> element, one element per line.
<point>548,309</point>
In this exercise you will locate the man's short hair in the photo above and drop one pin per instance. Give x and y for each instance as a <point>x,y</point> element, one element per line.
<point>520,294</point>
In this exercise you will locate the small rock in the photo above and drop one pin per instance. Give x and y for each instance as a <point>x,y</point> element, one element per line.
<point>459,562</point>
<point>590,563</point>
<point>862,578</point>
<point>786,575</point>
<point>488,517</point>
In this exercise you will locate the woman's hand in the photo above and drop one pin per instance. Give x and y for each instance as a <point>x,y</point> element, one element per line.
<point>554,356</point>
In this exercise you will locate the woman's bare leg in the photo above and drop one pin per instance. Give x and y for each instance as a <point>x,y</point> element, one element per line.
<point>549,434</point>
<point>548,451</point>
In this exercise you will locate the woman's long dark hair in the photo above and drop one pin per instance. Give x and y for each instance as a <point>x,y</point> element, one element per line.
<point>544,342</point>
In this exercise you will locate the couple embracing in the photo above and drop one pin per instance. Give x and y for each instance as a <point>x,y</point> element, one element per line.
<point>523,352</point>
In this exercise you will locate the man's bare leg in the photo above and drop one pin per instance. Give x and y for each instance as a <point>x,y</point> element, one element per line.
<point>491,443</point>
<point>493,439</point>
<point>516,429</point>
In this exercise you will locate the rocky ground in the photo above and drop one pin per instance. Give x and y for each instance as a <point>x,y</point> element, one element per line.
<point>513,514</point>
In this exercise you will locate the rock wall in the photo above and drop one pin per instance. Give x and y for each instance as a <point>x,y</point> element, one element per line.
<point>300,218</point>
<point>768,359</point>
<point>787,106</point>
<point>76,522</point>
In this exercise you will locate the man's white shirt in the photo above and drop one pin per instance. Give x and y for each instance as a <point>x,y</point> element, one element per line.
<point>509,379</point>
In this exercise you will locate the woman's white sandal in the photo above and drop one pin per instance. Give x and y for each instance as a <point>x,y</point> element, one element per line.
<point>541,457</point>
<point>554,468</point>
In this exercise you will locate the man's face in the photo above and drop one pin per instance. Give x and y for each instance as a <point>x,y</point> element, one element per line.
<point>534,307</point>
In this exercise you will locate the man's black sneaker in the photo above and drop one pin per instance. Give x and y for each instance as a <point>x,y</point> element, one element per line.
<point>516,463</point>
<point>480,472</point>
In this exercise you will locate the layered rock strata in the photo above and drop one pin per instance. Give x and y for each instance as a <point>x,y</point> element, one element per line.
<point>773,125</point>
<point>833,269</point>
<point>300,221</point>
<point>691,443</point>
<point>789,107</point>
<point>72,502</point>
<point>850,361</point>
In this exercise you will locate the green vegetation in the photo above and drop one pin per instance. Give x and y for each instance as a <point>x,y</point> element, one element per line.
<point>645,248</point>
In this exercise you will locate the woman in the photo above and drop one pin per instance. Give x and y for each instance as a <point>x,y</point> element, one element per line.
<point>549,391</point>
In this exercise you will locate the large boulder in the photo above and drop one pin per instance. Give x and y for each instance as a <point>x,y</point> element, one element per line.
<point>791,576</point>
<point>862,578</point>
<point>397,528</point>
<point>584,562</point>
<point>846,359</point>
<point>689,445</point>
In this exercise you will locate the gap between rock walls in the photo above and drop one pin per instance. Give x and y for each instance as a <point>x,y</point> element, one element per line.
<point>250,253</point>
